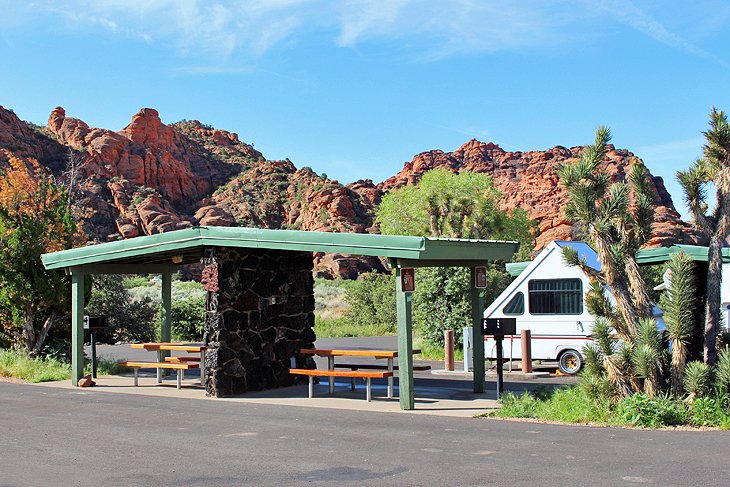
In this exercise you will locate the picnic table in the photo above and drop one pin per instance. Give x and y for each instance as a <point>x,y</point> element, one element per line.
<point>160,347</point>
<point>389,355</point>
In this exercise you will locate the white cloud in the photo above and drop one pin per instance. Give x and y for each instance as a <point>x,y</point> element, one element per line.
<point>424,29</point>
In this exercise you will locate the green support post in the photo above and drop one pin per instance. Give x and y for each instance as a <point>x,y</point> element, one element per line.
<point>404,302</point>
<point>77,327</point>
<point>477,314</point>
<point>166,324</point>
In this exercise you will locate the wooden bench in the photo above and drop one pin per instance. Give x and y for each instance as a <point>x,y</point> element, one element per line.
<point>377,367</point>
<point>312,373</point>
<point>182,359</point>
<point>179,367</point>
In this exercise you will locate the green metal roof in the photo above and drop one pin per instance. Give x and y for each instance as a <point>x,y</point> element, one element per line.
<point>655,255</point>
<point>188,243</point>
<point>661,254</point>
<point>514,269</point>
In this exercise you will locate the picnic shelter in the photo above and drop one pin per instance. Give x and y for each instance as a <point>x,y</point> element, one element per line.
<point>260,293</point>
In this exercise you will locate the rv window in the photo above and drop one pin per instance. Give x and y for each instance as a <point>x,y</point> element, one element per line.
<point>556,296</point>
<point>516,306</point>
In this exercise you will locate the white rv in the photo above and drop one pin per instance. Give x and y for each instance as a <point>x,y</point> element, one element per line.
<point>548,298</point>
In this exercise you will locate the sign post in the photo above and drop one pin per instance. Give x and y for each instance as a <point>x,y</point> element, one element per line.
<point>499,327</point>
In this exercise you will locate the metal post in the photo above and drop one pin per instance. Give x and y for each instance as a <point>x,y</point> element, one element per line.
<point>448,349</point>
<point>390,378</point>
<point>166,324</point>
<point>500,383</point>
<point>477,312</point>
<point>311,387</point>
<point>526,339</point>
<point>369,393</point>
<point>331,366</point>
<point>93,352</point>
<point>468,348</point>
<point>77,327</point>
<point>404,302</point>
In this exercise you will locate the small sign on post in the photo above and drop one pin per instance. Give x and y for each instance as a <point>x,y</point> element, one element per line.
<point>499,327</point>
<point>408,280</point>
<point>480,277</point>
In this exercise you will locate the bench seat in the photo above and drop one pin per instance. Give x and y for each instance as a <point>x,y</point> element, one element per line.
<point>179,367</point>
<point>312,373</point>
<point>182,358</point>
<point>377,367</point>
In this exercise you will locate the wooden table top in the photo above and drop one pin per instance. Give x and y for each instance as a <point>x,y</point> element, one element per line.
<point>182,347</point>
<point>353,352</point>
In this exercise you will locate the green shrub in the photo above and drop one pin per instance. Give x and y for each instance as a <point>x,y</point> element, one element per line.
<point>344,327</point>
<point>708,411</point>
<point>697,378</point>
<point>188,319</point>
<point>640,410</point>
<point>372,302</point>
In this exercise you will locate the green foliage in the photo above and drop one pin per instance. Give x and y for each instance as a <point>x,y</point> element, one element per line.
<point>710,411</point>
<point>652,412</point>
<point>135,281</point>
<point>372,302</point>
<point>35,218</point>
<point>722,373</point>
<point>442,300</point>
<point>570,404</point>
<point>21,365</point>
<point>128,319</point>
<point>697,378</point>
<point>188,318</point>
<point>445,204</point>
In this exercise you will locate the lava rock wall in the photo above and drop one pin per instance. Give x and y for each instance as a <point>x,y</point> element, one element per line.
<point>259,312</point>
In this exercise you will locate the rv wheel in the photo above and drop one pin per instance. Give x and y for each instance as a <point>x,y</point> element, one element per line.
<point>570,362</point>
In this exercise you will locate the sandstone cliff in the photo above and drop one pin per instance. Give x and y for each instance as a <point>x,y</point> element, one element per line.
<point>151,177</point>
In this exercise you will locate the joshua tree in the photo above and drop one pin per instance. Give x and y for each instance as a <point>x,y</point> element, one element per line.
<point>678,303</point>
<point>616,219</point>
<point>713,168</point>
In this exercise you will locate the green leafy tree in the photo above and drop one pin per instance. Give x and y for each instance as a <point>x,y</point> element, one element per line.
<point>712,169</point>
<point>372,300</point>
<point>34,219</point>
<point>128,320</point>
<point>463,205</point>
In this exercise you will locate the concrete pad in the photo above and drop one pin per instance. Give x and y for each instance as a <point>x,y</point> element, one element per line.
<point>437,401</point>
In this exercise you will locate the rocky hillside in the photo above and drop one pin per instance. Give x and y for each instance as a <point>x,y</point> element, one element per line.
<point>529,180</point>
<point>151,177</point>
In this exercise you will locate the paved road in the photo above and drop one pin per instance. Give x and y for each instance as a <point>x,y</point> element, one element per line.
<point>54,437</point>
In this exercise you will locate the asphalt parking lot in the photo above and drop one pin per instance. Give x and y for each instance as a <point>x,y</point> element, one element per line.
<point>62,436</point>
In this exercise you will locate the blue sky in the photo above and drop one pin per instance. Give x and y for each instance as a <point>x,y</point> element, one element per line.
<point>354,88</point>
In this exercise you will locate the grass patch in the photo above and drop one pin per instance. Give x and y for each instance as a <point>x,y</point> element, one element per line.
<point>342,327</point>
<point>569,405</point>
<point>20,365</point>
<point>435,352</point>
<point>573,405</point>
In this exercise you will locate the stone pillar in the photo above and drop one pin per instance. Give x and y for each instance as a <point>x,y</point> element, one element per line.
<point>259,312</point>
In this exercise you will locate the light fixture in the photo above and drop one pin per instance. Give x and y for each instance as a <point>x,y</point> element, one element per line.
<point>176,259</point>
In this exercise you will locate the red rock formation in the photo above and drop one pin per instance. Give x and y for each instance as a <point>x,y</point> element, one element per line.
<point>529,180</point>
<point>151,177</point>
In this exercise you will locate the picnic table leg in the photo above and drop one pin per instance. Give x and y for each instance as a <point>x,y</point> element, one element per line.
<point>136,377</point>
<point>390,378</point>
<point>311,387</point>
<point>331,366</point>
<point>159,370</point>
<point>368,393</point>
<point>179,378</point>
<point>202,367</point>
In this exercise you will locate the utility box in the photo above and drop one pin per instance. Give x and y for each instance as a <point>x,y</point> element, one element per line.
<point>468,342</point>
